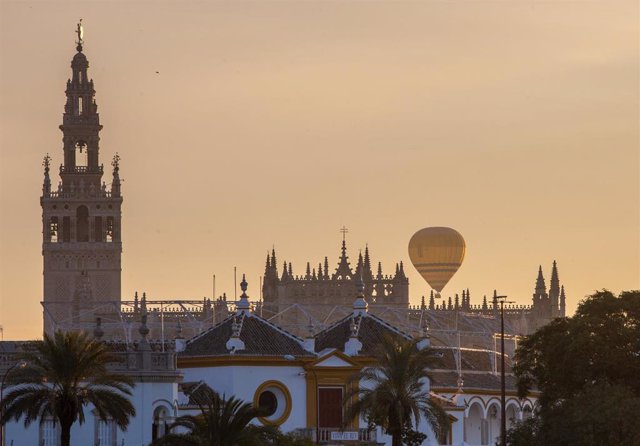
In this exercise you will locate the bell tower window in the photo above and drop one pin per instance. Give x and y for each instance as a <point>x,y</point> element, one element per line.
<point>80,105</point>
<point>82,154</point>
<point>53,229</point>
<point>82,224</point>
<point>109,231</point>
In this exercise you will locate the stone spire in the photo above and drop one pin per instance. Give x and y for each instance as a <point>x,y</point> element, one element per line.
<point>563,306</point>
<point>554,290</point>
<point>367,274</point>
<point>267,268</point>
<point>285,272</point>
<point>541,287</point>
<point>360,266</point>
<point>344,269</point>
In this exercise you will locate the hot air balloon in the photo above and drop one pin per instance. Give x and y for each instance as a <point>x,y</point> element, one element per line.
<point>437,253</point>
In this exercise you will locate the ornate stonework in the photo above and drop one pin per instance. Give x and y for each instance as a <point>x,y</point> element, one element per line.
<point>81,217</point>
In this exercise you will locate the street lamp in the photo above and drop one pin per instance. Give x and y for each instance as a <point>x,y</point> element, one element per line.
<point>4,377</point>
<point>503,393</point>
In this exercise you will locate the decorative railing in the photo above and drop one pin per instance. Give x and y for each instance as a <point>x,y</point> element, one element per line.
<point>81,169</point>
<point>78,194</point>
<point>328,435</point>
<point>123,361</point>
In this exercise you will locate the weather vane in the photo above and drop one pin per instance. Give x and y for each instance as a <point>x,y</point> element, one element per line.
<point>80,33</point>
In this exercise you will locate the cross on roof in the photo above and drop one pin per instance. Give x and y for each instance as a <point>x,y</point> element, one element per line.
<point>344,231</point>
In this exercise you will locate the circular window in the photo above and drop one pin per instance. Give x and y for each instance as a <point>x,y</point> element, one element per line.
<point>268,403</point>
<point>66,206</point>
<point>274,399</point>
<point>110,207</point>
<point>97,206</point>
<point>55,207</point>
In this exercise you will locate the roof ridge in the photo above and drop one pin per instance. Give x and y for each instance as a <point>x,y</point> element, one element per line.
<point>277,328</point>
<point>198,336</point>
<point>388,325</point>
<point>334,325</point>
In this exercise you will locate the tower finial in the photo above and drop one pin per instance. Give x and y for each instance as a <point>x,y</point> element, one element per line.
<point>344,231</point>
<point>46,185</point>
<point>80,34</point>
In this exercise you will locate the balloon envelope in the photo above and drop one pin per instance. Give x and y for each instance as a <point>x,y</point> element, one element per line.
<point>437,253</point>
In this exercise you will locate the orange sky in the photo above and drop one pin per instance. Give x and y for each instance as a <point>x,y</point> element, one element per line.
<point>278,122</point>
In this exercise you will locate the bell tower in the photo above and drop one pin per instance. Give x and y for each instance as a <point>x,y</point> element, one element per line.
<point>81,245</point>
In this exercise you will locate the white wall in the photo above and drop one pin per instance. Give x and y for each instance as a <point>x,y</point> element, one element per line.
<point>243,381</point>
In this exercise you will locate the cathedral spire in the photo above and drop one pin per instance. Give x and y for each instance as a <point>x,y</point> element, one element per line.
<point>366,271</point>
<point>541,287</point>
<point>344,269</point>
<point>554,290</point>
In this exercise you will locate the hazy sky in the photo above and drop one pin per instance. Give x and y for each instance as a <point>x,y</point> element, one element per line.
<point>275,123</point>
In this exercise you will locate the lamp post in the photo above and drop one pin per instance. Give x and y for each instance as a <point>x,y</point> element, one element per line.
<point>503,392</point>
<point>4,377</point>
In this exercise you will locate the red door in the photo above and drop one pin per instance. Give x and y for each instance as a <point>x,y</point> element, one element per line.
<point>330,407</point>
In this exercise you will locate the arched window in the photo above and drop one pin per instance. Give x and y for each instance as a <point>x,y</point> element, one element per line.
<point>49,432</point>
<point>53,230</point>
<point>81,154</point>
<point>82,224</point>
<point>160,423</point>
<point>105,432</point>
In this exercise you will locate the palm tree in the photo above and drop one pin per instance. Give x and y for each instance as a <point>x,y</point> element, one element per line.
<point>62,375</point>
<point>222,422</point>
<point>394,396</point>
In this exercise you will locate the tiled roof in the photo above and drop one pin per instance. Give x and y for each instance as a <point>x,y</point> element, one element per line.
<point>474,380</point>
<point>260,337</point>
<point>371,332</point>
<point>472,359</point>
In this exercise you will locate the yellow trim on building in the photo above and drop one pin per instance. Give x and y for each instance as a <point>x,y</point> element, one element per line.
<point>287,397</point>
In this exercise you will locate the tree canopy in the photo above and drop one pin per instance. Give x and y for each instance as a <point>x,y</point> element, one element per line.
<point>587,369</point>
